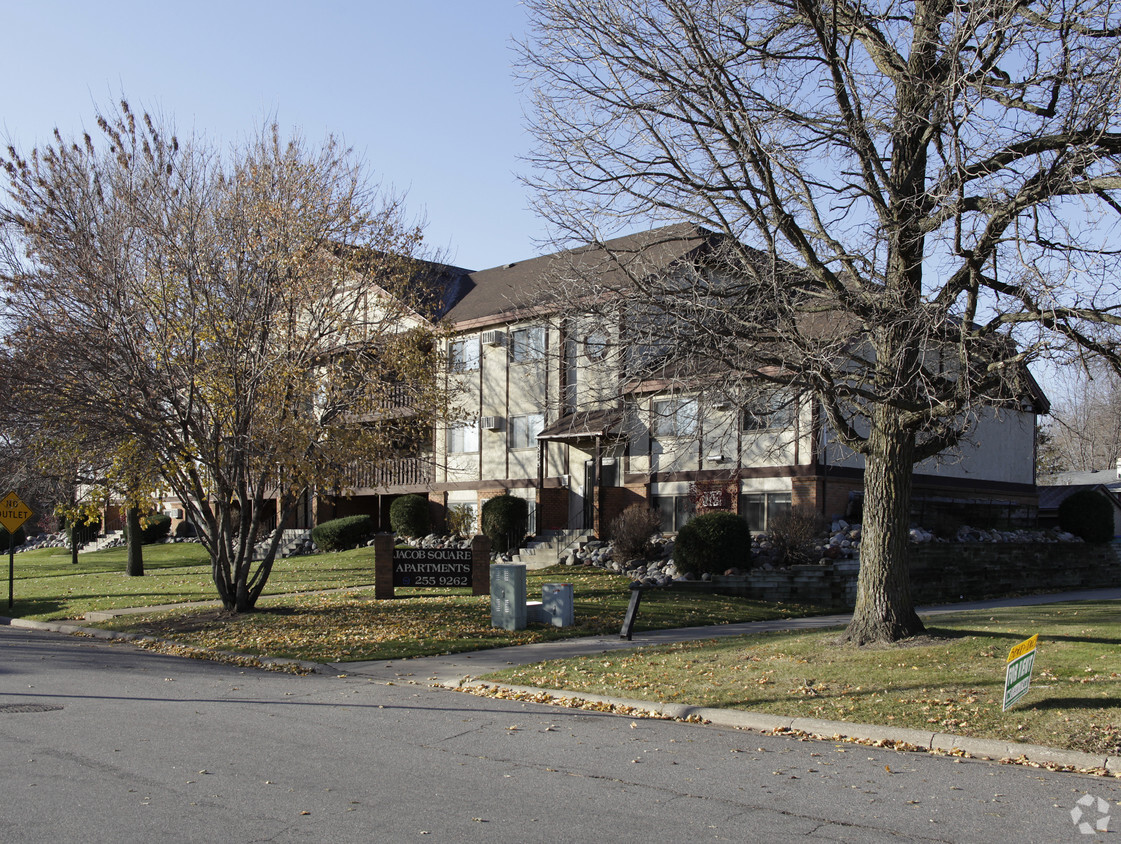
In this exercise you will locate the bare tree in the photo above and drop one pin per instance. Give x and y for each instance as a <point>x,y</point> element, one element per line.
<point>1085,430</point>
<point>252,323</point>
<point>913,200</point>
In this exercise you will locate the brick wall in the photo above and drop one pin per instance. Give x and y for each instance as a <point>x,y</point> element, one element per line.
<point>616,499</point>
<point>552,508</point>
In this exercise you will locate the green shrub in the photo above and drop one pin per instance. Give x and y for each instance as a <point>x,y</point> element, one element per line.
<point>342,534</point>
<point>503,521</point>
<point>1087,514</point>
<point>631,531</point>
<point>156,528</point>
<point>5,537</point>
<point>408,515</point>
<point>185,530</point>
<point>712,543</point>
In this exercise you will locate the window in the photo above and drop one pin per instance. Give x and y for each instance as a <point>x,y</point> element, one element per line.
<point>527,344</point>
<point>675,418</point>
<point>463,518</point>
<point>464,355</point>
<point>762,508</point>
<point>524,430</point>
<point>595,346</point>
<point>675,511</point>
<point>463,438</point>
<point>772,412</point>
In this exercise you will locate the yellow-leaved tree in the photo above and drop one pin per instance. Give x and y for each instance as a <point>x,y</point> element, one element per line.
<point>244,318</point>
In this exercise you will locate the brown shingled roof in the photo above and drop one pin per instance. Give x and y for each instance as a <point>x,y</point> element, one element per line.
<point>519,289</point>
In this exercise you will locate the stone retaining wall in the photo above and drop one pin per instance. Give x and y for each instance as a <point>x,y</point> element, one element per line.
<point>942,573</point>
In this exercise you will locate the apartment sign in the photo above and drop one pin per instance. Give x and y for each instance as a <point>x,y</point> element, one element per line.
<point>436,567</point>
<point>1017,674</point>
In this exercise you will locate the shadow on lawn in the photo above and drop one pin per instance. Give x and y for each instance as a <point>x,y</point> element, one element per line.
<point>1015,638</point>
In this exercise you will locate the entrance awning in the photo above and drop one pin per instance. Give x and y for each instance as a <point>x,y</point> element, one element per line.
<point>582,426</point>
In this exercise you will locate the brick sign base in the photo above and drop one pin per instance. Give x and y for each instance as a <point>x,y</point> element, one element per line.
<point>437,568</point>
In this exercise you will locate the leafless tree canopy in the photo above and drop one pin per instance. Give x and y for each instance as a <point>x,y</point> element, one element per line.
<point>940,180</point>
<point>1084,434</point>
<point>216,316</point>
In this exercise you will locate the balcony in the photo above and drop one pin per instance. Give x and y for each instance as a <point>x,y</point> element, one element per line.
<point>386,474</point>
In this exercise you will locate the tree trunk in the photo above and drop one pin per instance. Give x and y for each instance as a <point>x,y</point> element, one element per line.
<point>135,565</point>
<point>884,611</point>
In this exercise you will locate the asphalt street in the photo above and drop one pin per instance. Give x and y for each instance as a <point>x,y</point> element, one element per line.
<point>106,742</point>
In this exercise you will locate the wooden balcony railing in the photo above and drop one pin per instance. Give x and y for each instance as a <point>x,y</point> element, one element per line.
<point>403,471</point>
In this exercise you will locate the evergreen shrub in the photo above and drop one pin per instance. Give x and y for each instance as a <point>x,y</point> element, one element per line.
<point>712,543</point>
<point>156,529</point>
<point>1088,514</point>
<point>5,538</point>
<point>408,515</point>
<point>342,534</point>
<point>503,521</point>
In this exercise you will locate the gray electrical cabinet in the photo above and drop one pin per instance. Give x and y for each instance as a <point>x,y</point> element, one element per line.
<point>557,605</point>
<point>507,596</point>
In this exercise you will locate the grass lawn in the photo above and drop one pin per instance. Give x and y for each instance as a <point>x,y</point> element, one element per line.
<point>950,680</point>
<point>49,587</point>
<point>421,622</point>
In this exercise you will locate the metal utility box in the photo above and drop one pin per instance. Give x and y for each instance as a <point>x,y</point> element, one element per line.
<point>507,596</point>
<point>557,604</point>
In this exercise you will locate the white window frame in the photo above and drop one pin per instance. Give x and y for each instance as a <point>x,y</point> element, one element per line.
<point>463,354</point>
<point>463,438</point>
<point>776,411</point>
<point>676,417</point>
<point>524,430</point>
<point>527,344</point>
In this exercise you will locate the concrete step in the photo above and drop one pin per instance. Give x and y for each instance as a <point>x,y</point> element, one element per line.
<point>101,541</point>
<point>290,540</point>
<point>549,547</point>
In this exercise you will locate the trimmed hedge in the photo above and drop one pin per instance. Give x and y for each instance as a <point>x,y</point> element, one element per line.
<point>503,521</point>
<point>1088,514</point>
<point>156,529</point>
<point>342,534</point>
<point>5,538</point>
<point>712,543</point>
<point>408,515</point>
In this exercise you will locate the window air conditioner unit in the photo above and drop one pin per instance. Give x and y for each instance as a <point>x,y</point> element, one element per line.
<point>721,404</point>
<point>493,338</point>
<point>491,423</point>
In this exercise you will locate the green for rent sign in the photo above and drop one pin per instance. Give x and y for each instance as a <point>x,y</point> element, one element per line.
<point>1017,676</point>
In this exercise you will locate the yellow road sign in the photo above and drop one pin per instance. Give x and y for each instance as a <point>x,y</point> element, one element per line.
<point>13,512</point>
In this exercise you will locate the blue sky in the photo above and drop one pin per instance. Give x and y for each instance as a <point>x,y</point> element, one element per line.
<point>423,90</point>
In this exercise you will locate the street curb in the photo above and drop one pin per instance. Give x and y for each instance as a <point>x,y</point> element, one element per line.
<point>137,638</point>
<point>900,738</point>
<point>893,738</point>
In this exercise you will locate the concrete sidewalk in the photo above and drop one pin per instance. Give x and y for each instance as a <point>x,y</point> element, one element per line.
<point>454,669</point>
